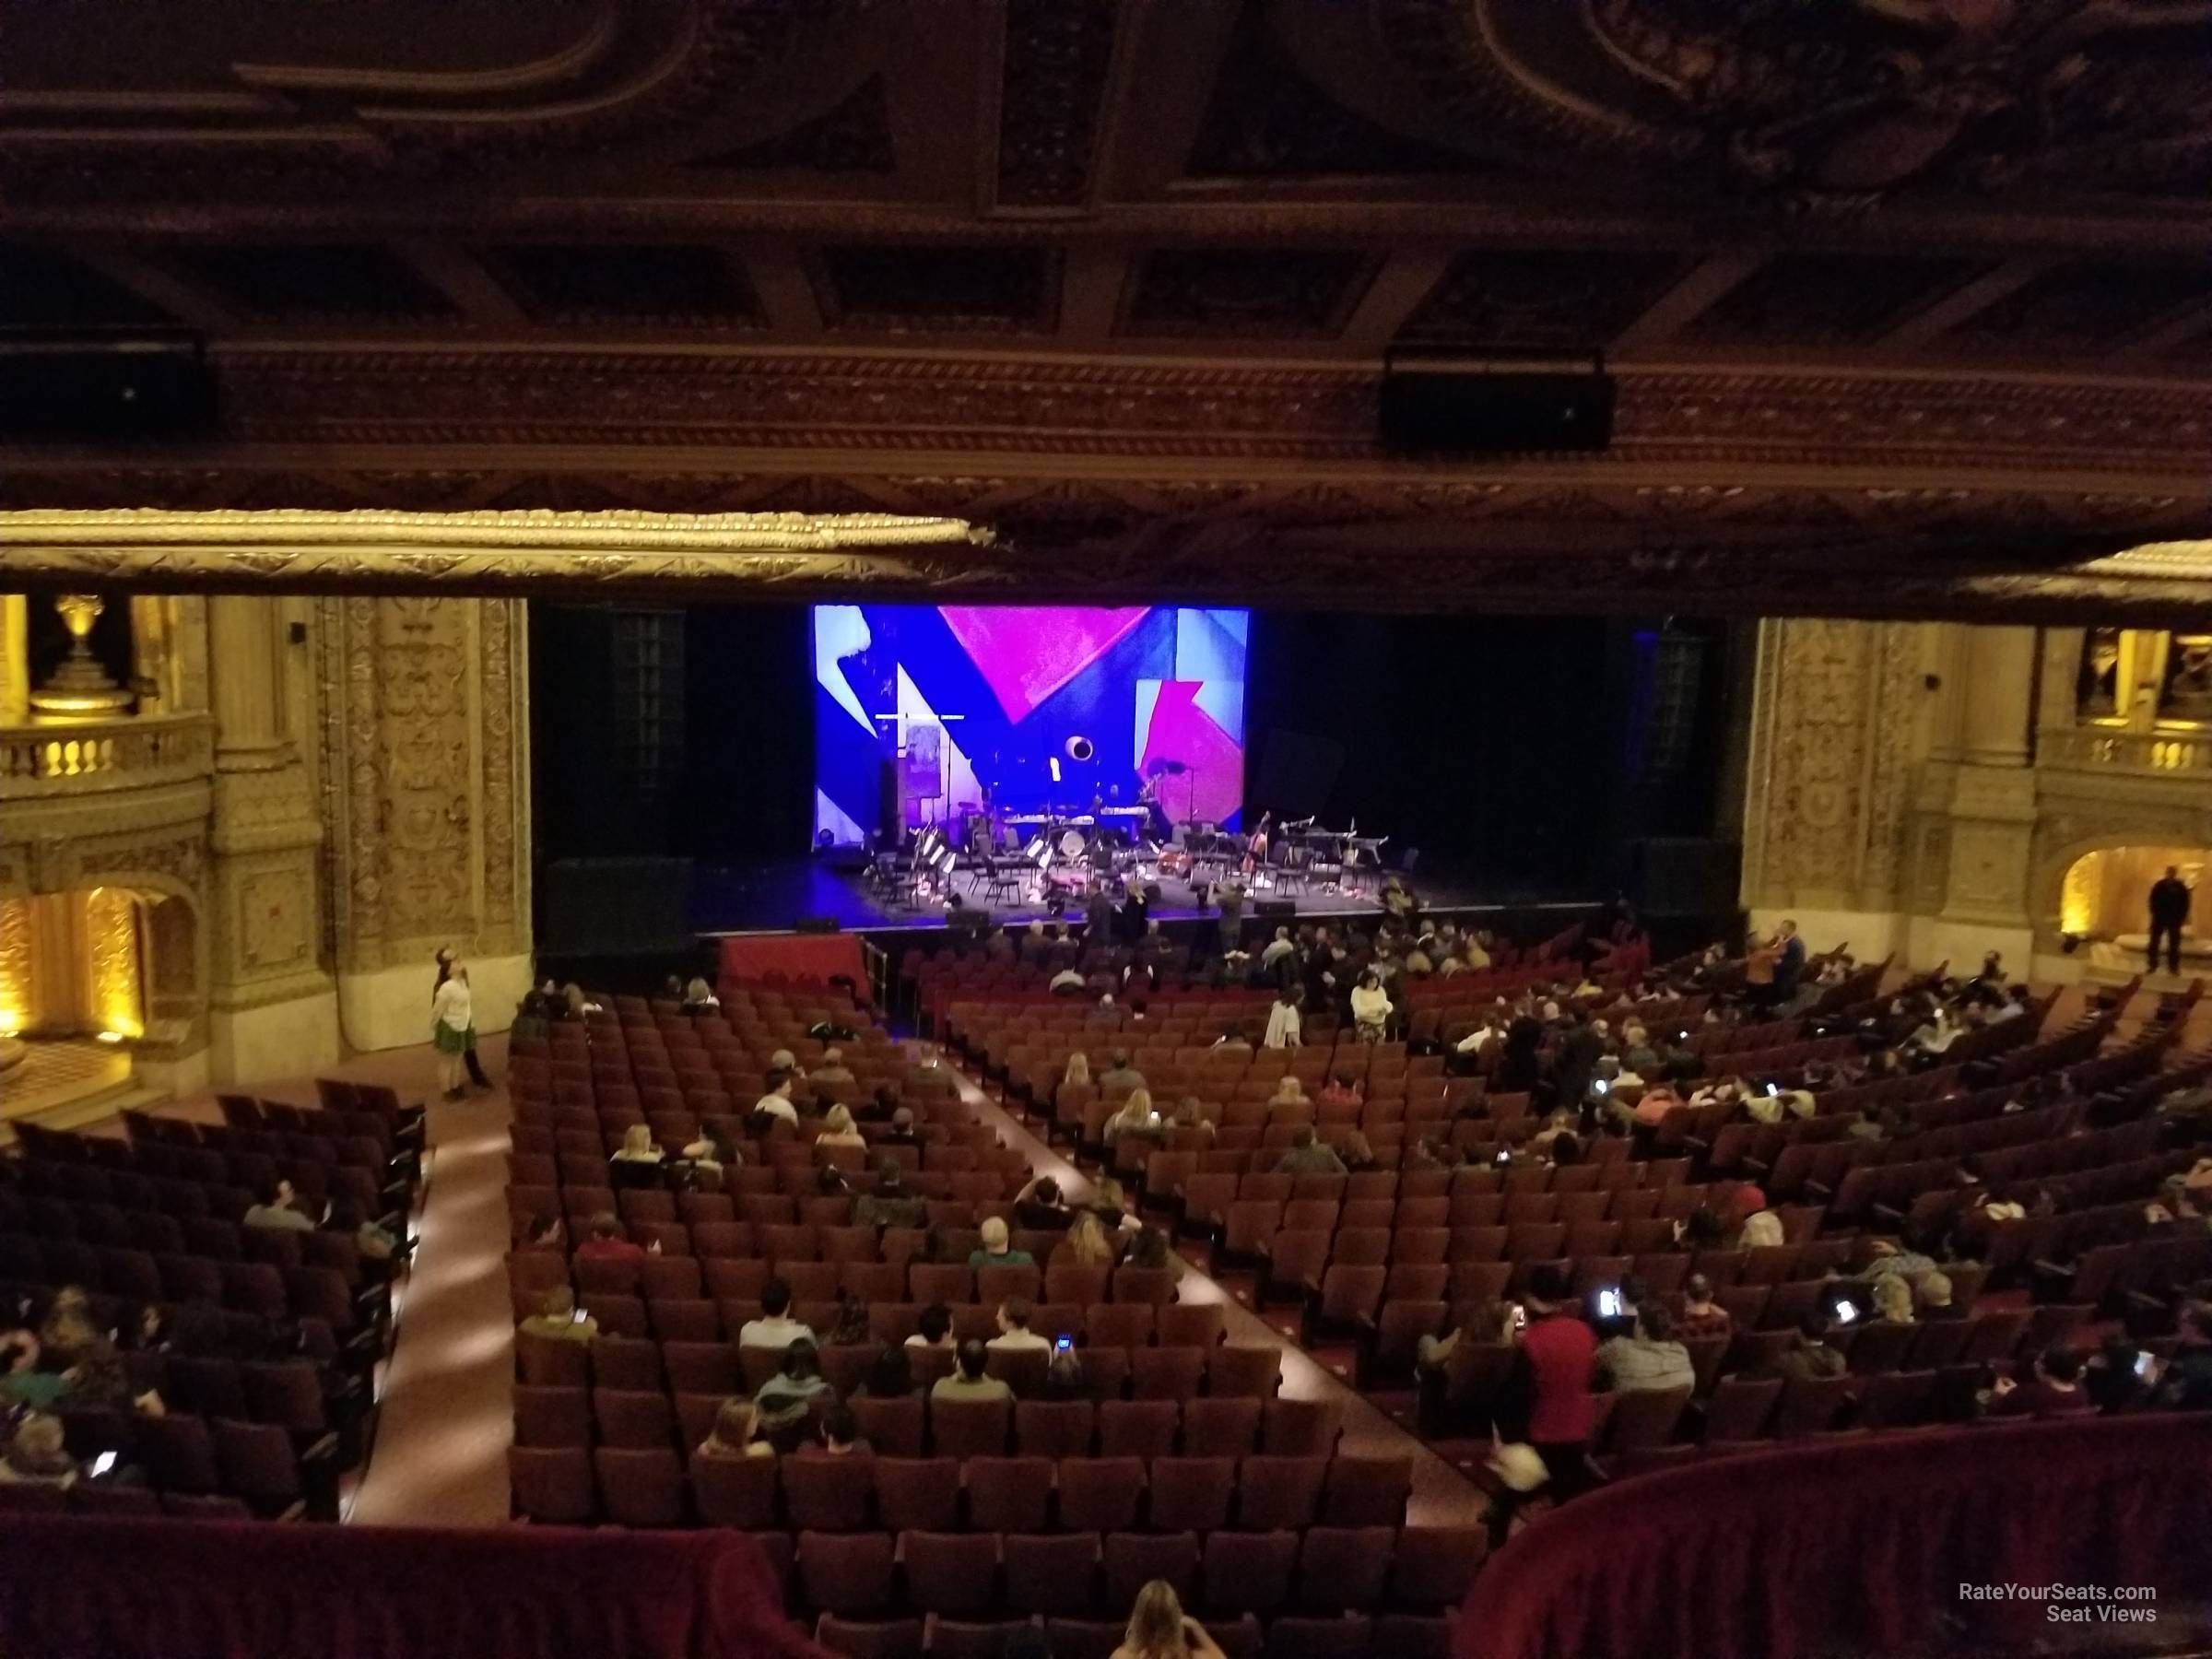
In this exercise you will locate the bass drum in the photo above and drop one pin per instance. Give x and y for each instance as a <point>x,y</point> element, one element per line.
<point>1072,844</point>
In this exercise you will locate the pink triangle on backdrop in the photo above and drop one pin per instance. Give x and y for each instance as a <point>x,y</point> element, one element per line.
<point>1027,652</point>
<point>1180,730</point>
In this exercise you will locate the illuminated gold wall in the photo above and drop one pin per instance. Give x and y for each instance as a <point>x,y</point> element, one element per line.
<point>70,964</point>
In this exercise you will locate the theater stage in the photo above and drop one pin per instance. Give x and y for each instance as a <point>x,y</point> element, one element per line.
<point>770,896</point>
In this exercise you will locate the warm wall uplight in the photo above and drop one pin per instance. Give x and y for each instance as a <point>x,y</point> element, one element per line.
<point>110,1036</point>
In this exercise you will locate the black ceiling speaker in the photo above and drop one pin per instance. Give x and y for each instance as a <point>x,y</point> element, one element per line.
<point>1440,405</point>
<point>116,387</point>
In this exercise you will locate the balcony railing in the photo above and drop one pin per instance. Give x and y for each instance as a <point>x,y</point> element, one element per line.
<point>2090,750</point>
<point>123,753</point>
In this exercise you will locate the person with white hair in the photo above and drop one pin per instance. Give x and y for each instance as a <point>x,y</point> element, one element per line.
<point>453,1029</point>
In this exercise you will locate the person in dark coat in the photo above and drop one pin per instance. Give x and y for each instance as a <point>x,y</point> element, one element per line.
<point>2169,910</point>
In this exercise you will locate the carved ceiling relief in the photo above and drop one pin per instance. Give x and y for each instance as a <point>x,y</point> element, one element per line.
<point>1842,101</point>
<point>1057,57</point>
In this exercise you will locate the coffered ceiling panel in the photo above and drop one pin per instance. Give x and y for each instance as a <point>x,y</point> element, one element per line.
<point>1245,291</point>
<point>42,288</point>
<point>899,290</point>
<point>313,280</point>
<point>1829,299</point>
<point>1566,300</point>
<point>2090,304</point>
<point>661,284</point>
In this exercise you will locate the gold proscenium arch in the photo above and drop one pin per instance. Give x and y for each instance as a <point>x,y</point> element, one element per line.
<point>487,552</point>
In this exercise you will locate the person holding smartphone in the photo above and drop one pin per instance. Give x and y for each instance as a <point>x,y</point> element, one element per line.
<point>1159,1628</point>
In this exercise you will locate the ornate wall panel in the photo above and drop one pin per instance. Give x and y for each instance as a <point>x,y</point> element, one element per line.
<point>426,768</point>
<point>1831,763</point>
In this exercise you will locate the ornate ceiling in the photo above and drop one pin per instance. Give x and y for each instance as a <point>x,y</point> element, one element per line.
<point>1909,299</point>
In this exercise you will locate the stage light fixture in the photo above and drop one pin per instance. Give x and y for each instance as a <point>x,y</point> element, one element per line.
<point>1055,765</point>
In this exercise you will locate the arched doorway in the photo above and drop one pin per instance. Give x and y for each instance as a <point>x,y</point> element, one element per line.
<point>2104,903</point>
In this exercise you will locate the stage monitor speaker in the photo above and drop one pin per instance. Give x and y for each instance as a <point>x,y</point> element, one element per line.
<point>616,907</point>
<point>1444,406</point>
<point>1680,874</point>
<point>1275,909</point>
<point>815,924</point>
<point>120,387</point>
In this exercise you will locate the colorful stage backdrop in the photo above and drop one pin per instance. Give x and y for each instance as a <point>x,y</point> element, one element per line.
<point>1038,708</point>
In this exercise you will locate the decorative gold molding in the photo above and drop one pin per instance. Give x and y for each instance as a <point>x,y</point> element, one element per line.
<point>299,549</point>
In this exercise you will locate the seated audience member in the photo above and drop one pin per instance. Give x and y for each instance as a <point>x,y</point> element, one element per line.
<point>852,1327</point>
<point>88,1355</point>
<point>968,1380</point>
<point>1651,1357</point>
<point>698,997</point>
<point>1289,1091</point>
<point>837,1434</point>
<point>638,1148</point>
<point>1701,1316</point>
<point>833,1069</point>
<point>1343,1091</point>
<point>2054,1389</point>
<point>1810,1357</point>
<point>1087,1244</point>
<point>36,1456</point>
<point>1893,1299</point>
<point>783,1401</point>
<point>606,1243</point>
<point>1040,1209</point>
<point>934,1329</point>
<point>26,1380</point>
<point>900,1132</point>
<point>1905,1255</point>
<point>559,1319</point>
<point>1484,1325</point>
<point>1159,1628</point>
<point>2117,1375</point>
<point>1933,1296</point>
<point>1232,1040</point>
<point>775,1328</point>
<point>1068,981</point>
<point>1135,1118</point>
<point>1120,1076</point>
<point>889,1376</point>
<point>1560,1348</point>
<point>996,1250</point>
<point>1110,1204</point>
<point>1309,1156</point>
<point>1755,1225</point>
<point>736,1432</point>
<point>278,1208</point>
<point>892,1204</point>
<point>1013,1332</point>
<point>2185,1381</point>
<point>1149,1250</point>
<point>715,1150</point>
<point>542,1232</point>
<point>839,1129</point>
<point>777,1102</point>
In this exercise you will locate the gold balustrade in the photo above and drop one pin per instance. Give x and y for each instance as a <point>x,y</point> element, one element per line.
<point>127,752</point>
<point>2089,749</point>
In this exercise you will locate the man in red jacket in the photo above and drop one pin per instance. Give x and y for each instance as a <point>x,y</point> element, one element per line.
<point>1562,1351</point>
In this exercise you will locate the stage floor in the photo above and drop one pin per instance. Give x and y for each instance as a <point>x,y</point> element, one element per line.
<point>769,896</point>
